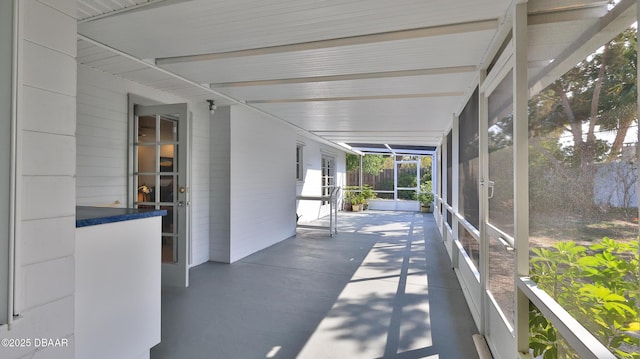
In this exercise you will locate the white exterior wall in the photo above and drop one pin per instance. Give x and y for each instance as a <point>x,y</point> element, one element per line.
<point>253,182</point>
<point>311,184</point>
<point>46,192</point>
<point>262,207</point>
<point>103,150</point>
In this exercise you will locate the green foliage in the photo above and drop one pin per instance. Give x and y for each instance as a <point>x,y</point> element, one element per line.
<point>367,192</point>
<point>599,93</point>
<point>358,199</point>
<point>426,193</point>
<point>353,162</point>
<point>349,193</point>
<point>598,285</point>
<point>371,164</point>
<point>352,193</point>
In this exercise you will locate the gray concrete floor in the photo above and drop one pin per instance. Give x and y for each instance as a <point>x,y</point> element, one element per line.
<point>382,288</point>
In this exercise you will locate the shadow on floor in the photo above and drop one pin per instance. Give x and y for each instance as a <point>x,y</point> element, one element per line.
<point>381,288</point>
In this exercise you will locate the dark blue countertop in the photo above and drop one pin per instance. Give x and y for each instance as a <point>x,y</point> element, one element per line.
<point>91,216</point>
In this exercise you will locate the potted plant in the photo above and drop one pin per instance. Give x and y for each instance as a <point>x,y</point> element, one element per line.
<point>357,203</point>
<point>367,193</point>
<point>425,197</point>
<point>349,194</point>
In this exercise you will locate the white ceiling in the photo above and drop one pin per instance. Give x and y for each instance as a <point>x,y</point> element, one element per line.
<point>358,71</point>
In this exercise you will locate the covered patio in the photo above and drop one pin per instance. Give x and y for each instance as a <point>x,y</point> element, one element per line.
<point>202,108</point>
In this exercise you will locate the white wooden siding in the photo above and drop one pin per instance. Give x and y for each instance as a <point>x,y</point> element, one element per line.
<point>262,182</point>
<point>46,233</point>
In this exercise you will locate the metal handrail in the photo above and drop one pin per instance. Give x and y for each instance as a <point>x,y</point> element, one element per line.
<point>333,198</point>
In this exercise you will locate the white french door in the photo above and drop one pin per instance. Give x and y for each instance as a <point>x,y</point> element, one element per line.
<point>160,179</point>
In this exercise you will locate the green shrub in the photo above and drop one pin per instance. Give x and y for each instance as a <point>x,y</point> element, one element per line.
<point>598,285</point>
<point>426,193</point>
<point>367,192</point>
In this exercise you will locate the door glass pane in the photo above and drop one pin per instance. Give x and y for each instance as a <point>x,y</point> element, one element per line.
<point>500,143</point>
<point>167,158</point>
<point>167,189</point>
<point>147,129</point>
<point>146,188</point>
<point>146,159</point>
<point>168,130</point>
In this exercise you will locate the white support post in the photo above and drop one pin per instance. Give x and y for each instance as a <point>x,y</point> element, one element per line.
<point>521,170</point>
<point>360,180</point>
<point>445,175</point>
<point>395,177</point>
<point>437,183</point>
<point>443,185</point>
<point>418,174</point>
<point>434,174</point>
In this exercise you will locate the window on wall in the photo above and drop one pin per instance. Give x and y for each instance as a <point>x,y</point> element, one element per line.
<point>328,175</point>
<point>583,185</point>
<point>299,166</point>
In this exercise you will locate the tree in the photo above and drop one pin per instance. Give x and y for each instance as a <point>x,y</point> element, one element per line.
<point>371,164</point>
<point>353,162</point>
<point>598,93</point>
